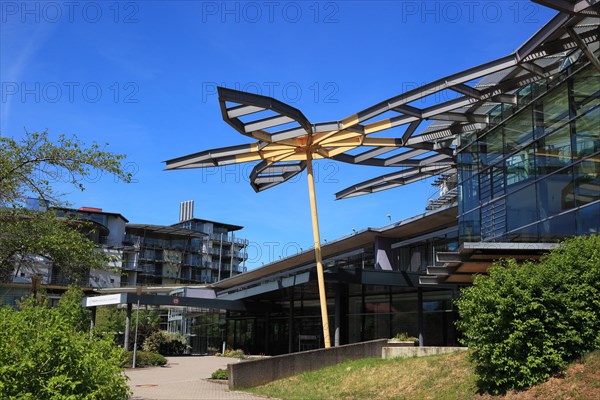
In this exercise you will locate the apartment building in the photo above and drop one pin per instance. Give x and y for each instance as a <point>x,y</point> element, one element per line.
<point>191,251</point>
<point>194,251</point>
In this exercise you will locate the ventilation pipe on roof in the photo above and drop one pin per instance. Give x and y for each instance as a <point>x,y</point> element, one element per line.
<point>186,210</point>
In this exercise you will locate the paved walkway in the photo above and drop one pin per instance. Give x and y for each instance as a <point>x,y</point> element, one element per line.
<point>182,379</point>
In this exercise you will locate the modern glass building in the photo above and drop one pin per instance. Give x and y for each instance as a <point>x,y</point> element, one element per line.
<point>372,286</point>
<point>534,175</point>
<point>516,147</point>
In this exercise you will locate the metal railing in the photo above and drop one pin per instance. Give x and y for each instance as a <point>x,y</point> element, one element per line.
<point>216,237</point>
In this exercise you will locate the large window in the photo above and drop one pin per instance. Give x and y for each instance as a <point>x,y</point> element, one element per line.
<point>553,151</point>
<point>587,181</point>
<point>587,138</point>
<point>518,131</point>
<point>520,167</point>
<point>554,108</point>
<point>588,220</point>
<point>521,208</point>
<point>534,169</point>
<point>555,193</point>
<point>470,227</point>
<point>492,147</point>
<point>558,227</point>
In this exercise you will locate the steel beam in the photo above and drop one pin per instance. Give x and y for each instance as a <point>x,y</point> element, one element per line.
<point>586,50</point>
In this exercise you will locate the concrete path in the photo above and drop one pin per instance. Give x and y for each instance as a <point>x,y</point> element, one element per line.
<point>182,379</point>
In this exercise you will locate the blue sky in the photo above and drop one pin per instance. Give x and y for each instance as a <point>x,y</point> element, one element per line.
<point>142,76</point>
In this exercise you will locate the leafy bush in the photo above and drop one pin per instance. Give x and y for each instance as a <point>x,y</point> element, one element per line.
<point>111,319</point>
<point>145,359</point>
<point>525,323</point>
<point>166,343</point>
<point>221,373</point>
<point>44,356</point>
<point>404,337</point>
<point>238,353</point>
<point>70,307</point>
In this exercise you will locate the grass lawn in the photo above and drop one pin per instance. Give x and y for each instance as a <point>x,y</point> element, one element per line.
<point>447,376</point>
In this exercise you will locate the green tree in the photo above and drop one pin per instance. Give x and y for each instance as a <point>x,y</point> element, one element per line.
<point>44,356</point>
<point>25,235</point>
<point>111,320</point>
<point>28,168</point>
<point>48,353</point>
<point>166,343</point>
<point>524,323</point>
<point>71,307</point>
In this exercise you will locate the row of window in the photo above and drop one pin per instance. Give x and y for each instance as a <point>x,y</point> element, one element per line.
<point>524,224</point>
<point>520,180</point>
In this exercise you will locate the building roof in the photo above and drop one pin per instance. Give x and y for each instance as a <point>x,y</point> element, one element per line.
<point>102,229</point>
<point>229,227</point>
<point>91,210</point>
<point>165,230</point>
<point>417,225</point>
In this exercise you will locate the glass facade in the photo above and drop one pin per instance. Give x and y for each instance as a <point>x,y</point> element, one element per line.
<point>384,311</point>
<point>534,175</point>
<point>416,255</point>
<point>367,312</point>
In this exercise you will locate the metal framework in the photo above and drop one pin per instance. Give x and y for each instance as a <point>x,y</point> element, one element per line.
<point>569,34</point>
<point>424,139</point>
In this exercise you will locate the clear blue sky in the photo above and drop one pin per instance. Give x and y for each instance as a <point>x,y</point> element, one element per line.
<point>142,76</point>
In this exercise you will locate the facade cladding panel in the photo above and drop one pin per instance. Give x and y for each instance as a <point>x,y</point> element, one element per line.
<point>535,175</point>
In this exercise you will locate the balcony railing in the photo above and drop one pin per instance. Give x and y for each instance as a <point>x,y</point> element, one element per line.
<point>216,237</point>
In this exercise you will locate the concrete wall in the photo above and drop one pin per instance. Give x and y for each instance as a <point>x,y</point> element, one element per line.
<point>403,352</point>
<point>258,372</point>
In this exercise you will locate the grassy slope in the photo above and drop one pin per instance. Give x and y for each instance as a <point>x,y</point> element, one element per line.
<point>437,377</point>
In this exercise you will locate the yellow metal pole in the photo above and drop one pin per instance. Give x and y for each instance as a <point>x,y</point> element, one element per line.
<point>318,258</point>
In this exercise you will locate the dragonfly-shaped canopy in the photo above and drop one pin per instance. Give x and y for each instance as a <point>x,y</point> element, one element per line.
<point>416,142</point>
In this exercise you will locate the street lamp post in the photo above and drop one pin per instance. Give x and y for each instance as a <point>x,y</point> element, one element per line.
<point>137,320</point>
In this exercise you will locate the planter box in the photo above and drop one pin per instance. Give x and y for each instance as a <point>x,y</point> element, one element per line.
<point>401,352</point>
<point>402,343</point>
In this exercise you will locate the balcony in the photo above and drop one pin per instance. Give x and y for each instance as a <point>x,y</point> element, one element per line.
<point>213,250</point>
<point>144,269</point>
<point>128,267</point>
<point>192,260</point>
<point>216,237</point>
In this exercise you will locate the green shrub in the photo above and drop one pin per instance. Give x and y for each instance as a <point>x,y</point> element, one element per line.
<point>238,353</point>
<point>145,359</point>
<point>526,322</point>
<point>166,343</point>
<point>45,355</point>
<point>112,319</point>
<point>404,337</point>
<point>220,374</point>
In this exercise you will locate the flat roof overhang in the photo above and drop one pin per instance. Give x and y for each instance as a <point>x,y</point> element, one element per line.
<point>88,210</point>
<point>292,270</point>
<point>193,302</point>
<point>166,230</point>
<point>477,257</point>
<point>229,227</point>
